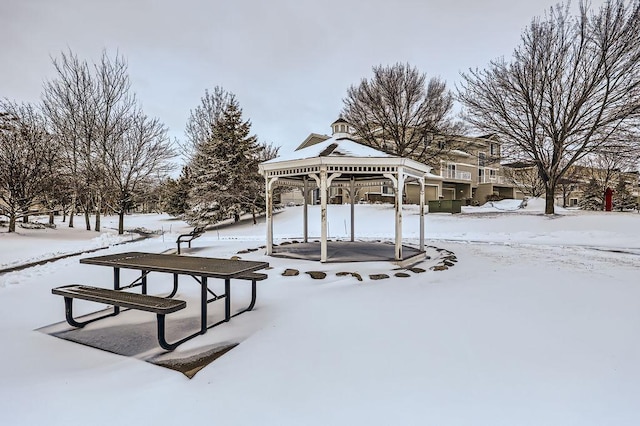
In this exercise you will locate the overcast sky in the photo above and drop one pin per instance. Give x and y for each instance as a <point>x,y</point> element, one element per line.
<point>289,62</point>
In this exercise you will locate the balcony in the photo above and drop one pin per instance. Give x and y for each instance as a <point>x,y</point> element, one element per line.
<point>500,180</point>
<point>452,174</point>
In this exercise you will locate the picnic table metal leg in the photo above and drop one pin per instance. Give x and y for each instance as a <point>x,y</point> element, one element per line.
<point>162,340</point>
<point>68,311</point>
<point>175,286</point>
<point>203,305</point>
<point>143,279</point>
<point>116,286</point>
<point>227,299</point>
<point>253,299</point>
<point>253,295</point>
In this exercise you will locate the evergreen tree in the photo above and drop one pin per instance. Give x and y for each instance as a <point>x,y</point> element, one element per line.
<point>592,196</point>
<point>223,170</point>
<point>176,194</point>
<point>622,198</point>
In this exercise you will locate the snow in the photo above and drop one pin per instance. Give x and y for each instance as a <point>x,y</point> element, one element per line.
<point>345,147</point>
<point>537,323</point>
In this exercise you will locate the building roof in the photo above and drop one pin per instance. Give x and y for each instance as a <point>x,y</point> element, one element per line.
<point>312,139</point>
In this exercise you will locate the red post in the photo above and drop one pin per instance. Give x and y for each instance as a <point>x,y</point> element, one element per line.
<point>608,200</point>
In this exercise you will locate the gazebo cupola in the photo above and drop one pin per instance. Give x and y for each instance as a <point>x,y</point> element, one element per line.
<point>340,129</point>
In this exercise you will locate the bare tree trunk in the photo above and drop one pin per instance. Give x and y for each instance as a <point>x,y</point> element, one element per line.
<point>72,209</point>
<point>549,205</point>
<point>12,223</point>
<point>121,222</point>
<point>87,218</point>
<point>51,219</point>
<point>98,212</point>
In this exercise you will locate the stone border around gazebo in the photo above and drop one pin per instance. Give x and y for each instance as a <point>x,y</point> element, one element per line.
<point>342,162</point>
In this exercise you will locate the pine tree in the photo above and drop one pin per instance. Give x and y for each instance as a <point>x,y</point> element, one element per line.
<point>223,169</point>
<point>176,194</point>
<point>622,198</point>
<point>592,196</point>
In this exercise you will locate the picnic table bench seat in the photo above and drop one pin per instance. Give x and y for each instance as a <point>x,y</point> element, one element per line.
<point>142,302</point>
<point>190,236</point>
<point>253,276</point>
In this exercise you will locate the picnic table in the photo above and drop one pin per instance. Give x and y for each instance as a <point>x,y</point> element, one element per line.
<point>199,268</point>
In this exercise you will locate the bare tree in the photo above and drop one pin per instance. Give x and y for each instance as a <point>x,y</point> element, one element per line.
<point>398,112</point>
<point>69,108</point>
<point>573,179</point>
<point>91,109</point>
<point>133,159</point>
<point>116,114</point>
<point>571,86</point>
<point>606,165</point>
<point>26,150</point>
<point>525,177</point>
<point>267,151</point>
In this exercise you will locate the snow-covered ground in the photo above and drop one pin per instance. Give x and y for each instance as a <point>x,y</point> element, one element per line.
<point>538,323</point>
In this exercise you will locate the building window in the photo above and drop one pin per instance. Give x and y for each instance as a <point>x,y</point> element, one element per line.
<point>481,175</point>
<point>481,159</point>
<point>494,149</point>
<point>387,189</point>
<point>573,202</point>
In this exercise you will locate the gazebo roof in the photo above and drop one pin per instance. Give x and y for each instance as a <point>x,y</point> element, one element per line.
<point>345,155</point>
<point>332,147</point>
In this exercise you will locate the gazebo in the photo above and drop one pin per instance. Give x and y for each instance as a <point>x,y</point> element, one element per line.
<point>341,162</point>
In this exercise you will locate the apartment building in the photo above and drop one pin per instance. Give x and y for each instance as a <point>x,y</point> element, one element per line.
<point>471,170</point>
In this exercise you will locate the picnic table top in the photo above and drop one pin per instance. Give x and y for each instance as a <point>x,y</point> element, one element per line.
<point>173,263</point>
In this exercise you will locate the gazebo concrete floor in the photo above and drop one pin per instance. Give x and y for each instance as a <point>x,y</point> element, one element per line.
<point>345,251</point>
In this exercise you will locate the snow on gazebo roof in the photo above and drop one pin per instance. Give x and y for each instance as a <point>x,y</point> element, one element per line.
<point>343,154</point>
<point>332,147</point>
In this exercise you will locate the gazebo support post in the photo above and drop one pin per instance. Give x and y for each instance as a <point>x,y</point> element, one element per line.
<point>323,214</point>
<point>352,195</point>
<point>305,209</point>
<point>269,212</point>
<point>422,214</point>
<point>324,182</point>
<point>398,186</point>
<point>399,192</point>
